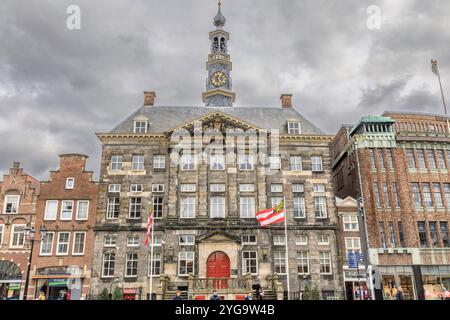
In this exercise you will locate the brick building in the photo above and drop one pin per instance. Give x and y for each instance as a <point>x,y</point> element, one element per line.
<point>66,207</point>
<point>404,161</point>
<point>206,234</point>
<point>18,192</point>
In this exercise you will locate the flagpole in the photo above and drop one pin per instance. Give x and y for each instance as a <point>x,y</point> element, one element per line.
<point>435,69</point>
<point>151,260</point>
<point>287,251</point>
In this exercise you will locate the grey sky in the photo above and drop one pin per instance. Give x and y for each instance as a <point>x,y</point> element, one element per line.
<point>59,86</point>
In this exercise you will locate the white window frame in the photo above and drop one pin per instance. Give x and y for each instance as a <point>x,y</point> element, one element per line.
<point>247,187</point>
<point>114,188</point>
<point>70,183</point>
<point>301,259</point>
<point>217,187</point>
<point>294,127</point>
<point>319,187</point>
<point>325,258</point>
<point>248,207</point>
<point>158,207</point>
<point>324,209</point>
<point>275,162</point>
<point>299,202</point>
<point>17,203</point>
<point>61,217</point>
<point>191,237</point>
<point>22,236</point>
<point>159,161</point>
<point>277,240</point>
<point>348,219</point>
<point>350,244</point>
<point>109,262</point>
<point>58,243</point>
<point>280,259</point>
<point>78,210</point>
<point>246,162</point>
<point>158,188</point>
<point>190,259</point>
<point>51,244</point>
<point>245,239</point>
<point>53,218</point>
<point>136,187</point>
<point>323,239</point>
<point>116,162</point>
<point>188,187</point>
<point>138,129</point>
<point>188,207</point>
<point>157,257</point>
<point>74,243</point>
<point>217,207</point>
<point>137,162</point>
<point>137,213</point>
<point>109,206</point>
<point>108,244</point>
<point>217,162</point>
<point>133,243</point>
<point>301,239</point>
<point>316,166</point>
<point>188,162</point>
<point>244,264</point>
<point>276,187</point>
<point>135,259</point>
<point>296,164</point>
<point>298,188</point>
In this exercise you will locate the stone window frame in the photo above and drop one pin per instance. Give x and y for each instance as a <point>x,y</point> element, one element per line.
<point>138,162</point>
<point>74,243</point>
<point>301,262</point>
<point>245,261</point>
<point>135,208</point>
<point>115,206</point>
<point>299,206</point>
<point>298,243</point>
<point>116,162</point>
<point>131,264</point>
<point>296,163</point>
<point>159,162</point>
<point>245,187</point>
<point>325,262</point>
<point>188,162</point>
<point>186,260</point>
<point>275,239</point>
<point>135,243</point>
<point>246,162</point>
<point>158,207</point>
<point>186,243</point>
<point>110,261</point>
<point>317,166</point>
<point>321,241</point>
<point>217,162</point>
<point>221,208</point>
<point>188,187</point>
<point>280,261</point>
<point>249,215</point>
<point>44,241</point>
<point>320,207</point>
<point>274,189</point>
<point>192,213</point>
<point>211,189</point>
<point>158,187</point>
<point>247,242</point>
<point>114,187</point>
<point>16,203</point>
<point>157,264</point>
<point>110,245</point>
<point>136,187</point>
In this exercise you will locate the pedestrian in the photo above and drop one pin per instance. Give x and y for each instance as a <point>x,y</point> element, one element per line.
<point>215,296</point>
<point>249,296</point>
<point>67,296</point>
<point>261,295</point>
<point>177,296</point>
<point>41,296</point>
<point>399,294</point>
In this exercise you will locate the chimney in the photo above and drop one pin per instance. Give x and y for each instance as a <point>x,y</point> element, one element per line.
<point>149,98</point>
<point>286,100</point>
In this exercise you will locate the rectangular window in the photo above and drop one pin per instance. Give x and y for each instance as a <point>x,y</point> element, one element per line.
<point>421,158</point>
<point>157,188</point>
<point>428,199</point>
<point>441,159</point>
<point>395,195</point>
<point>276,201</point>
<point>131,265</point>
<point>157,240</point>
<point>411,159</point>
<point>390,158</point>
<point>416,196</point>
<point>156,264</point>
<point>114,188</point>
<point>447,193</point>
<point>320,207</point>
<point>431,159</point>
<point>112,211</point>
<point>135,208</point>
<point>133,241</point>
<point>47,245</point>
<point>70,183</point>
<point>217,207</point>
<point>62,246</point>
<point>303,262</point>
<point>110,241</point>
<point>444,233</point>
<point>136,187</point>
<point>275,162</point>
<point>438,195</point>
<point>245,162</point>
<point>325,262</point>
<point>433,234</point>
<point>422,234</point>
<point>248,239</point>
<point>279,258</point>
<point>372,159</point>
<point>294,127</point>
<point>247,207</point>
<point>188,187</point>
<point>186,240</point>
<point>392,235</point>
<point>316,164</point>
<point>78,243</point>
<point>318,187</point>
<point>299,207</point>
<point>279,240</point>
<point>185,263</point>
<point>17,237</point>
<point>298,188</point>
<point>246,187</point>
<point>401,234</point>
<point>137,163</point>
<point>276,187</point>
<point>386,195</point>
<point>116,162</point>
<point>51,209</point>
<point>158,207</point>
<point>323,239</point>
<point>376,193</point>
<point>381,158</point>
<point>382,235</point>
<point>296,163</point>
<point>301,240</point>
<point>188,162</point>
<point>82,209</point>
<point>350,223</point>
<point>352,245</point>
<point>217,162</point>
<point>159,162</point>
<point>187,207</point>
<point>217,187</point>
<point>249,262</point>
<point>11,205</point>
<point>109,264</point>
<point>66,209</point>
<point>140,127</point>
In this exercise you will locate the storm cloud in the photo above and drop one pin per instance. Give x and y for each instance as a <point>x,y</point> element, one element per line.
<point>59,86</point>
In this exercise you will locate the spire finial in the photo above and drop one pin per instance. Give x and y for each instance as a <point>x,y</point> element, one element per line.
<point>219,19</point>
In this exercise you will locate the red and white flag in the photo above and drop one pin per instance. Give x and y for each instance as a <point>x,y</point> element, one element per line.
<point>149,227</point>
<point>271,216</point>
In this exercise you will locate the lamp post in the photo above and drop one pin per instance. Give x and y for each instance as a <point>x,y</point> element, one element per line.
<point>30,233</point>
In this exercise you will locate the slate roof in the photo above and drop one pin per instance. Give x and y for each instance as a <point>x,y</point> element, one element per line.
<point>165,118</point>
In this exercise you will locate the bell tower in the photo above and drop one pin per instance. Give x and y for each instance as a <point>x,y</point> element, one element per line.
<point>218,84</point>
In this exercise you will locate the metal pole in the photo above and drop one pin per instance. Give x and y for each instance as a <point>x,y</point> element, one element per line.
<point>151,260</point>
<point>27,280</point>
<point>287,251</point>
<point>435,63</point>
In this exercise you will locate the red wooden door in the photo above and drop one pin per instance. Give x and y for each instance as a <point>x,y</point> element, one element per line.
<point>218,266</point>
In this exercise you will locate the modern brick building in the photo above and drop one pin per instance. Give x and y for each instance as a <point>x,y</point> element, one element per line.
<point>18,192</point>
<point>205,200</point>
<point>66,207</point>
<point>404,162</point>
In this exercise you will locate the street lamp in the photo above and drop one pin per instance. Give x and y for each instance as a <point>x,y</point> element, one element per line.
<point>30,233</point>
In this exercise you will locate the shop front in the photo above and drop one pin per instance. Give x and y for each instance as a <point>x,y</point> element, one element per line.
<point>10,281</point>
<point>129,294</point>
<point>355,284</point>
<point>436,282</point>
<point>395,278</point>
<point>59,283</point>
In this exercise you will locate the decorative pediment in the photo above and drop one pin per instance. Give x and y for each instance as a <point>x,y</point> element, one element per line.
<point>215,121</point>
<point>348,202</point>
<point>218,236</point>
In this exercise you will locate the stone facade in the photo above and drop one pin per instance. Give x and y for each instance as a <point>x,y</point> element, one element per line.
<point>19,192</point>
<point>403,162</point>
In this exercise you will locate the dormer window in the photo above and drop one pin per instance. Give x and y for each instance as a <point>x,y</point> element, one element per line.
<point>294,127</point>
<point>140,126</point>
<point>70,182</point>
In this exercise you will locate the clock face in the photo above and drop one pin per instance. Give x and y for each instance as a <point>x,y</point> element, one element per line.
<point>219,79</point>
